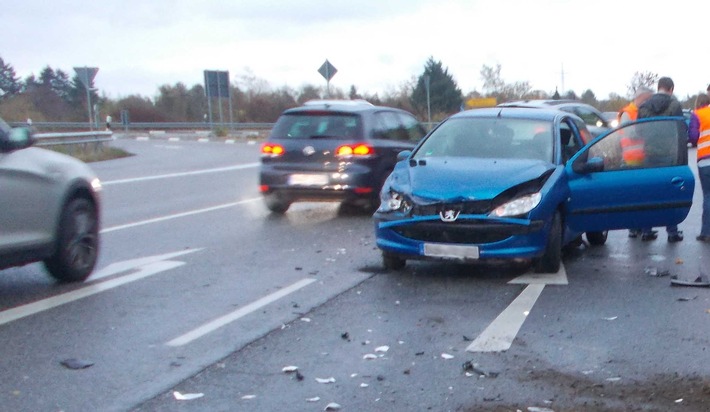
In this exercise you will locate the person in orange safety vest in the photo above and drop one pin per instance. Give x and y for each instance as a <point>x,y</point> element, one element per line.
<point>699,132</point>
<point>632,150</point>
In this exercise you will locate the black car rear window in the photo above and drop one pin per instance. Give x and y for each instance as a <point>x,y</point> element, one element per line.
<point>314,125</point>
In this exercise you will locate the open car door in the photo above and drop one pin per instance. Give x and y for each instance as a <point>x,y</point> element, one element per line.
<point>634,176</point>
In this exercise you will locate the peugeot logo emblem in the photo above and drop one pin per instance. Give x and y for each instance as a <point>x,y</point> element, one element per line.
<point>308,150</point>
<point>449,215</point>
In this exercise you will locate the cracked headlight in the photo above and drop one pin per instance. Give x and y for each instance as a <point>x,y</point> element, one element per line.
<point>518,206</point>
<point>391,201</point>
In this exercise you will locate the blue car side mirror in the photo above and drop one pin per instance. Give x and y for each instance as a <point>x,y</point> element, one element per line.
<point>403,155</point>
<point>593,165</point>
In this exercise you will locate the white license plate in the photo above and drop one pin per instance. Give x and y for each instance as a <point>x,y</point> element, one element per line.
<point>451,251</point>
<point>307,180</point>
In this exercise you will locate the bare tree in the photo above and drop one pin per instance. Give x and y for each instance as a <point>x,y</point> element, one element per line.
<point>639,79</point>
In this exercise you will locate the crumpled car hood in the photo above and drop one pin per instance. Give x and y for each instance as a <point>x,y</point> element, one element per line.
<point>459,179</point>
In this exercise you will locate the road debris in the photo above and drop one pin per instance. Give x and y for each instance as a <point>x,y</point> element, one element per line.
<point>539,409</point>
<point>332,407</point>
<point>289,369</point>
<point>305,319</point>
<point>364,385</point>
<point>611,318</point>
<point>701,280</point>
<point>187,396</point>
<point>325,380</point>
<point>73,363</point>
<point>384,348</point>
<point>687,299</point>
<point>369,356</point>
<point>247,397</point>
<point>447,356</point>
<point>314,399</point>
<point>653,271</point>
<point>469,367</point>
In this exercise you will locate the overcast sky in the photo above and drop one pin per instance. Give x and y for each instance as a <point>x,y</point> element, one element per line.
<point>376,45</point>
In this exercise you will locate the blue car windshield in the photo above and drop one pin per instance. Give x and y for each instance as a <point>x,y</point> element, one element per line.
<point>496,138</point>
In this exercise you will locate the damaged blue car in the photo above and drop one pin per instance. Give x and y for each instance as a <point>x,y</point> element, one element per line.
<point>520,183</point>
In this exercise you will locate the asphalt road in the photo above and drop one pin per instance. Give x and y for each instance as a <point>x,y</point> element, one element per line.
<point>200,292</point>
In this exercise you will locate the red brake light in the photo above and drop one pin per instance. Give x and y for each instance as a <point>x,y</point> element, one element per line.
<point>272,149</point>
<point>357,149</point>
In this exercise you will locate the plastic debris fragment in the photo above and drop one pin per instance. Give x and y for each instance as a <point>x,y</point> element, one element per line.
<point>469,367</point>
<point>325,380</point>
<point>384,348</point>
<point>314,399</point>
<point>364,385</point>
<point>289,369</point>
<point>247,397</point>
<point>447,356</point>
<point>305,319</point>
<point>187,396</point>
<point>332,407</point>
<point>611,318</point>
<point>370,356</point>
<point>74,363</point>
<point>617,379</point>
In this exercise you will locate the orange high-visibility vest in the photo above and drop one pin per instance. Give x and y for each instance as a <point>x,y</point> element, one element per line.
<point>629,109</point>
<point>704,139</point>
<point>632,151</point>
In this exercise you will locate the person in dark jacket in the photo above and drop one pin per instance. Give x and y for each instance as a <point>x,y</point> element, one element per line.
<point>662,104</point>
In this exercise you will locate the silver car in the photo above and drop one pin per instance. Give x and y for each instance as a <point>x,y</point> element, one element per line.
<point>49,208</point>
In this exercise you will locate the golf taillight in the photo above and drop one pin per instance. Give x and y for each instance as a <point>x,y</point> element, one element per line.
<point>357,149</point>
<point>272,149</point>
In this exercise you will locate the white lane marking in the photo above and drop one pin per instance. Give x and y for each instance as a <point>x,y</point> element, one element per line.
<point>181,174</point>
<point>92,289</point>
<point>559,278</point>
<point>501,333</point>
<point>177,215</point>
<point>239,313</point>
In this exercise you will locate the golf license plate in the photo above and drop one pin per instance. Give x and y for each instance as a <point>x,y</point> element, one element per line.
<point>451,251</point>
<point>307,180</point>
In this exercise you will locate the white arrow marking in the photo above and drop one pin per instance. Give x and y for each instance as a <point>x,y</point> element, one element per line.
<point>501,333</point>
<point>92,289</point>
<point>241,312</point>
<point>126,265</point>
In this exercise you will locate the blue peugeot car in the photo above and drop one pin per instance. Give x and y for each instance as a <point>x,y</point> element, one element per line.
<point>511,183</point>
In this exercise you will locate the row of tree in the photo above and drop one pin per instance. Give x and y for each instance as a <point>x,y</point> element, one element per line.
<point>54,96</point>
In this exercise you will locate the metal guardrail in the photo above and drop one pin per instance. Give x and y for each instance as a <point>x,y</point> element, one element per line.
<point>73,138</point>
<point>142,126</point>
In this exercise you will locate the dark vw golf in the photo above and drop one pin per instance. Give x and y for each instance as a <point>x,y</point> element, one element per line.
<point>509,183</point>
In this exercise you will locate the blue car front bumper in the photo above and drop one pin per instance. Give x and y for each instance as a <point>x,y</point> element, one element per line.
<point>495,238</point>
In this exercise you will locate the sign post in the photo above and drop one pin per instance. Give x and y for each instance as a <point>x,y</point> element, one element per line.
<point>86,77</point>
<point>327,70</point>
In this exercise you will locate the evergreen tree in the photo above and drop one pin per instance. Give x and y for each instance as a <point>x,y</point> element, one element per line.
<point>445,97</point>
<point>10,84</point>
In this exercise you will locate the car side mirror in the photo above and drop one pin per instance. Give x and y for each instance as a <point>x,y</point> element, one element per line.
<point>593,165</point>
<point>18,138</point>
<point>404,155</point>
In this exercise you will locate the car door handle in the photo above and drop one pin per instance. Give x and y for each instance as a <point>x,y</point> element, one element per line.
<point>678,181</point>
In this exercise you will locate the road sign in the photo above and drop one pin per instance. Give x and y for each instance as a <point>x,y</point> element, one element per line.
<point>327,70</point>
<point>217,83</point>
<point>86,75</point>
